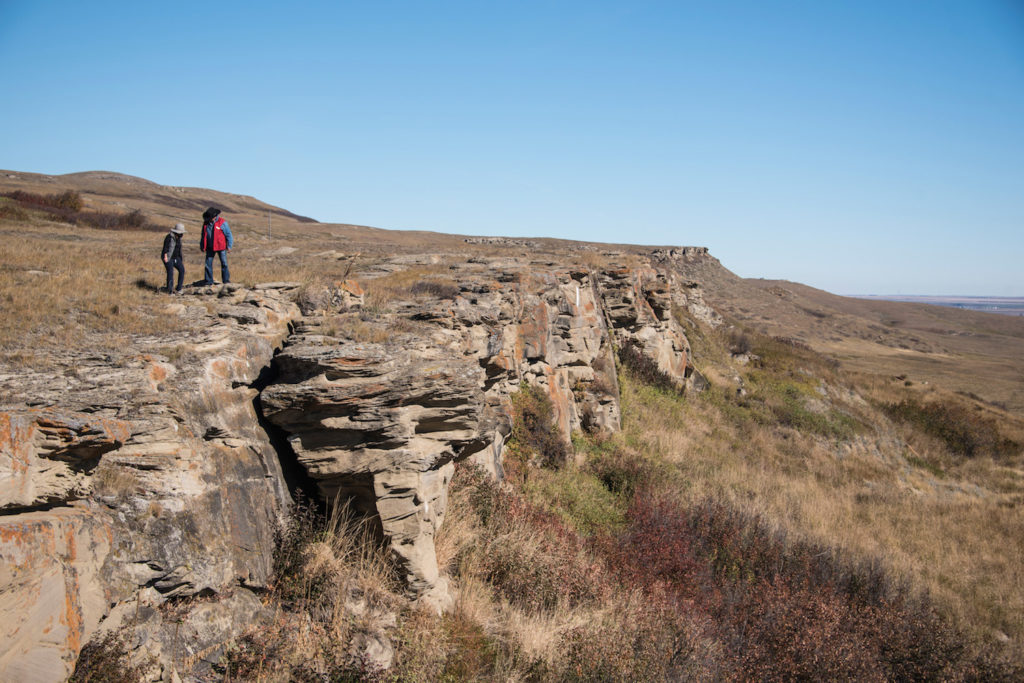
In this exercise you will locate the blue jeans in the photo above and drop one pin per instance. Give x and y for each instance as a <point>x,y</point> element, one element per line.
<point>224,274</point>
<point>172,265</point>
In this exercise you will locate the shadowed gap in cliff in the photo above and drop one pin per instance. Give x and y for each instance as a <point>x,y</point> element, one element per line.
<point>298,481</point>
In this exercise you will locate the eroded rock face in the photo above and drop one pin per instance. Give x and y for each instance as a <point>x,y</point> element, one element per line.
<point>381,428</point>
<point>381,422</point>
<point>129,480</point>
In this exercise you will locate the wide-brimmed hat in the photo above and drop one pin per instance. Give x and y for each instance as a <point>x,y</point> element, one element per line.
<point>178,229</point>
<point>211,213</point>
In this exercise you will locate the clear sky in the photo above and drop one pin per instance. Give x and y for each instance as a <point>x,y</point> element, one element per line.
<point>861,147</point>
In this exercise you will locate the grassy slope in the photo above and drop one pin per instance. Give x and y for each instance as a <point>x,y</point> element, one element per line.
<point>709,540</point>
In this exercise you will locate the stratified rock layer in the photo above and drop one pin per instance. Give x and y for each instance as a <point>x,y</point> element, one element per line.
<point>131,480</point>
<point>381,422</point>
<point>125,481</point>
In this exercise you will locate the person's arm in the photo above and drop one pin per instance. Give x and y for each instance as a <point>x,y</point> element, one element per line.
<point>227,235</point>
<point>168,240</point>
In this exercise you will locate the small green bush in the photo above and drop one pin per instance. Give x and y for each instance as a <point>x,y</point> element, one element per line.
<point>534,434</point>
<point>790,409</point>
<point>580,499</point>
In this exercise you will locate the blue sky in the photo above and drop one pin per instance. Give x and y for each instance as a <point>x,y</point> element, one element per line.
<point>860,147</point>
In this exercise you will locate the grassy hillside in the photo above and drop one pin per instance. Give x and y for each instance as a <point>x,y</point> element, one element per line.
<point>969,351</point>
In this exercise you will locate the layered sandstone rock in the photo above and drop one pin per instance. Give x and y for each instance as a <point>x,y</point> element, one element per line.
<point>380,422</point>
<point>128,480</point>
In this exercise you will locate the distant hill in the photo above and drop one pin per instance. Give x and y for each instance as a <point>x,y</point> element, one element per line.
<point>970,351</point>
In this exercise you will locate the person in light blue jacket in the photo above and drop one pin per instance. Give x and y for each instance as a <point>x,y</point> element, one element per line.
<point>216,240</point>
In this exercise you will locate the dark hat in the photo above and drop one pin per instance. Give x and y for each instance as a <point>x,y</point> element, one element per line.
<point>211,213</point>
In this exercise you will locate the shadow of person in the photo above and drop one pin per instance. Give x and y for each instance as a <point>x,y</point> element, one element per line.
<point>141,283</point>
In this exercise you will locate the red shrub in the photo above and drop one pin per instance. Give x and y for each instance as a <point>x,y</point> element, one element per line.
<point>777,632</point>
<point>530,556</point>
<point>657,549</point>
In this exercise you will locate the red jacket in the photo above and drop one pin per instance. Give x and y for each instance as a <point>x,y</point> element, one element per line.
<point>220,241</point>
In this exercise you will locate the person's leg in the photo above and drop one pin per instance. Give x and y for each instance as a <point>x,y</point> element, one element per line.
<point>224,274</point>
<point>208,271</point>
<point>169,266</point>
<point>179,264</point>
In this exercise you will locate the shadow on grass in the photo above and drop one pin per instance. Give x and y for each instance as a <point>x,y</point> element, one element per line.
<point>144,284</point>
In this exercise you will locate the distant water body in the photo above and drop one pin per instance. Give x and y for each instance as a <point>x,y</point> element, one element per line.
<point>1005,305</point>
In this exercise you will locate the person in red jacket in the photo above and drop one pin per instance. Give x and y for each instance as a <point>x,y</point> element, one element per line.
<point>215,240</point>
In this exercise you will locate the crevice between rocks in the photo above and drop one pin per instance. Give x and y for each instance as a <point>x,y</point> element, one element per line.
<point>300,485</point>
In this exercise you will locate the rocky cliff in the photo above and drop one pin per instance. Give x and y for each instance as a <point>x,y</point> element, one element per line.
<point>128,483</point>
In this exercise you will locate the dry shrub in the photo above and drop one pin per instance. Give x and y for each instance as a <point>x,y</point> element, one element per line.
<point>333,584</point>
<point>68,200</point>
<point>383,291</point>
<point>475,654</point>
<point>623,471</point>
<point>965,432</point>
<point>66,207</point>
<point>785,609</point>
<point>555,588</point>
<point>11,211</point>
<point>644,368</point>
<point>441,289</point>
<point>312,297</point>
<point>644,637</point>
<point>737,341</point>
<point>117,481</point>
<point>528,555</point>
<point>107,658</point>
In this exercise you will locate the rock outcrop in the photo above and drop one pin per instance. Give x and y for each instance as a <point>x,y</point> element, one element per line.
<point>381,422</point>
<point>129,480</point>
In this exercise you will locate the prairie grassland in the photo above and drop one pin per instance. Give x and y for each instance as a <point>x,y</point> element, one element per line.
<point>946,524</point>
<point>63,287</point>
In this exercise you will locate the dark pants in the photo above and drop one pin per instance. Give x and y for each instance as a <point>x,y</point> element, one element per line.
<point>172,265</point>
<point>224,274</point>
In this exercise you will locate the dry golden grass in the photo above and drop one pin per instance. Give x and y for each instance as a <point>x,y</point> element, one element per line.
<point>383,291</point>
<point>62,287</point>
<point>959,536</point>
<point>117,481</point>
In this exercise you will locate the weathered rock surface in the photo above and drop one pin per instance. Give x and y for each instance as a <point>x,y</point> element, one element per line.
<point>135,478</point>
<point>130,480</point>
<point>381,422</point>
